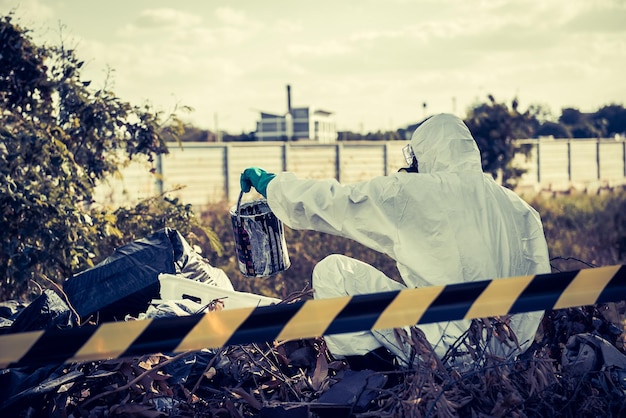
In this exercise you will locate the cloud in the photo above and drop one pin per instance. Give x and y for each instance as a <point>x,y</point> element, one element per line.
<point>183,30</point>
<point>233,27</point>
<point>323,49</point>
<point>599,21</point>
<point>287,26</point>
<point>366,60</point>
<point>483,37</point>
<point>374,35</point>
<point>165,17</point>
<point>232,17</point>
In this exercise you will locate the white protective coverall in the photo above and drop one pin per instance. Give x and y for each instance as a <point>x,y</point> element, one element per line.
<point>448,223</point>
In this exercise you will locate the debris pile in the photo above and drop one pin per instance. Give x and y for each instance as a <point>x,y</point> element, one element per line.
<point>301,379</point>
<point>575,368</point>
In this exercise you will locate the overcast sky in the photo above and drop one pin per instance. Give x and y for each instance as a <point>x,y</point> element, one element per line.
<point>373,63</point>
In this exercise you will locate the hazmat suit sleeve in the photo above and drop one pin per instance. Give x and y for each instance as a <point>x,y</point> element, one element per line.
<point>419,220</point>
<point>360,211</point>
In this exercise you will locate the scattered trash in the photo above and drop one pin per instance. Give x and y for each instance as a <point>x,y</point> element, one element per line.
<point>8,310</point>
<point>126,281</point>
<point>355,390</point>
<point>586,353</point>
<point>51,384</point>
<point>170,308</point>
<point>47,311</point>
<point>176,287</point>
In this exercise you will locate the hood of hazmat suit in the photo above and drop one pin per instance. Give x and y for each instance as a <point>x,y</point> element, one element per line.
<point>449,223</point>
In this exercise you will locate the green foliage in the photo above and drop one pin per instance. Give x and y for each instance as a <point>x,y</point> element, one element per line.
<point>607,122</point>
<point>23,80</point>
<point>152,214</point>
<point>494,127</point>
<point>556,130</point>
<point>58,138</point>
<point>611,119</point>
<point>189,134</point>
<point>582,125</point>
<point>43,232</point>
<point>590,228</point>
<point>381,136</point>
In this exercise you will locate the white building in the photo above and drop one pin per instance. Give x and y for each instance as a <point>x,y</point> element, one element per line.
<point>299,123</point>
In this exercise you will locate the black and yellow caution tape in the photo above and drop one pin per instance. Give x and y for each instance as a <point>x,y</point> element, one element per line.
<point>313,318</point>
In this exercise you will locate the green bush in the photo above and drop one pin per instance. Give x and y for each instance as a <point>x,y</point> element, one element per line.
<point>590,228</point>
<point>59,138</point>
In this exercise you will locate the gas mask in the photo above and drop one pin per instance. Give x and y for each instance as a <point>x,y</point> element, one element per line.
<point>410,159</point>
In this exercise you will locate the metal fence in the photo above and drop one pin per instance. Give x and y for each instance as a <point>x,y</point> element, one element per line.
<point>200,173</point>
<point>580,164</point>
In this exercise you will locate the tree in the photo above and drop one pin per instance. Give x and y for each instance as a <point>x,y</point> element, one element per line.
<point>58,139</point>
<point>553,129</point>
<point>495,126</point>
<point>190,134</point>
<point>612,118</point>
<point>581,125</point>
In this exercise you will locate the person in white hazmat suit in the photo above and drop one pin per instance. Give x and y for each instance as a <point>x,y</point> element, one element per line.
<point>444,222</point>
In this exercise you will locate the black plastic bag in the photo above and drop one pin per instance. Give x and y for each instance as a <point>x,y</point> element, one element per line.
<point>126,281</point>
<point>47,311</point>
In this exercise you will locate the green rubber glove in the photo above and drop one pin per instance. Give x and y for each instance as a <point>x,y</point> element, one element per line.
<point>255,177</point>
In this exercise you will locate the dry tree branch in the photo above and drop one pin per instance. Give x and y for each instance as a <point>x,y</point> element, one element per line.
<point>206,369</point>
<point>59,291</point>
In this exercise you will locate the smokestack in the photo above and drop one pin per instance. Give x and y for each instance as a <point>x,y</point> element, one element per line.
<point>288,116</point>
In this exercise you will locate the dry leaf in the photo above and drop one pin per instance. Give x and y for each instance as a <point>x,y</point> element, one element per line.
<point>321,372</point>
